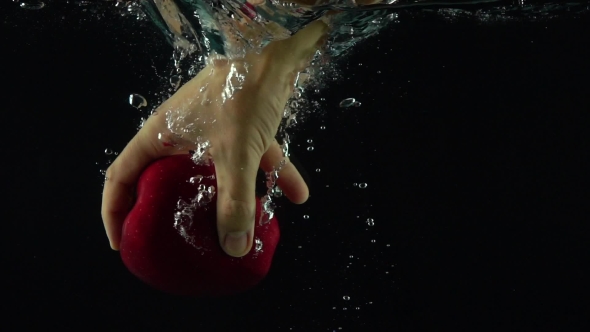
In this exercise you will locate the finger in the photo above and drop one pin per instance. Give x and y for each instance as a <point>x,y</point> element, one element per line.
<point>122,175</point>
<point>294,53</point>
<point>236,202</point>
<point>290,180</point>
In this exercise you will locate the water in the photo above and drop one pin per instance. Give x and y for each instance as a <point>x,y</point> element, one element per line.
<point>231,27</point>
<point>348,102</point>
<point>345,236</point>
<point>137,101</point>
<point>199,30</point>
<point>32,5</point>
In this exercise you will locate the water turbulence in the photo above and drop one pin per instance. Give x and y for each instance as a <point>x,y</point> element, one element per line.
<point>204,31</point>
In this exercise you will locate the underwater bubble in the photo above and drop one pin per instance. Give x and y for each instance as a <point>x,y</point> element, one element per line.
<point>391,17</point>
<point>322,127</point>
<point>258,245</point>
<point>108,152</point>
<point>137,100</point>
<point>362,185</point>
<point>378,20</point>
<point>196,179</point>
<point>346,297</point>
<point>32,5</point>
<point>348,102</point>
<point>373,241</point>
<point>318,170</point>
<point>306,217</point>
<point>370,222</point>
<point>357,104</point>
<point>175,81</point>
<point>310,141</point>
<point>310,148</point>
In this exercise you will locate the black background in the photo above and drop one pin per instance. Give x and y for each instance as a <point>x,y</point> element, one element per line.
<point>472,138</point>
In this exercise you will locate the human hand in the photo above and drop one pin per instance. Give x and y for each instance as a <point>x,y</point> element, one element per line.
<point>235,105</point>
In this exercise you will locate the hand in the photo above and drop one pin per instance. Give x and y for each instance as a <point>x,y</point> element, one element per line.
<point>236,105</point>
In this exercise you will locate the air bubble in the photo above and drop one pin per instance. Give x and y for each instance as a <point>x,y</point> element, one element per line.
<point>322,127</point>
<point>348,102</point>
<point>346,297</point>
<point>258,245</point>
<point>32,5</point>
<point>391,17</point>
<point>306,217</point>
<point>309,141</point>
<point>362,185</point>
<point>370,222</point>
<point>357,104</point>
<point>196,179</point>
<point>373,241</point>
<point>175,81</point>
<point>137,101</point>
<point>318,170</point>
<point>108,152</point>
<point>310,148</point>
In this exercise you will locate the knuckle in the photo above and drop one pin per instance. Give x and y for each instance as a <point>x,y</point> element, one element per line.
<point>239,213</point>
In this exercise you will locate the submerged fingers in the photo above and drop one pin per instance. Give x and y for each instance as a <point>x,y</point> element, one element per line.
<point>121,178</point>
<point>290,180</point>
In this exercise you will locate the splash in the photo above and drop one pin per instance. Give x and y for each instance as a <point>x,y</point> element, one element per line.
<point>268,205</point>
<point>183,218</point>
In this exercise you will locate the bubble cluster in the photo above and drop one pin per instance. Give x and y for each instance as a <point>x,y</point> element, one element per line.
<point>183,217</point>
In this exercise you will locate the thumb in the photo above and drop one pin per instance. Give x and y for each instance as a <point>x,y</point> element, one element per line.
<point>236,202</point>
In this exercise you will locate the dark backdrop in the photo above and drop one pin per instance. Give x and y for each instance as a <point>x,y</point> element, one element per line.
<point>472,139</point>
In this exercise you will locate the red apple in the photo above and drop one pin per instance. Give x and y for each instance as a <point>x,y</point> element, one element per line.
<point>183,256</point>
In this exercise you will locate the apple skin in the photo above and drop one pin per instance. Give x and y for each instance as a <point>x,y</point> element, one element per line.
<point>154,251</point>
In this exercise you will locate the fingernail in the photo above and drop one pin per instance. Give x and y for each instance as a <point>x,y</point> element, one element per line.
<point>113,246</point>
<point>236,243</point>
